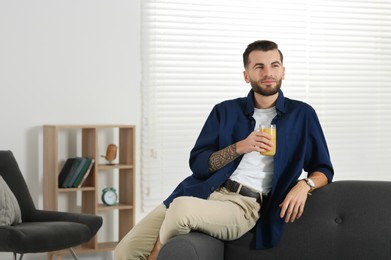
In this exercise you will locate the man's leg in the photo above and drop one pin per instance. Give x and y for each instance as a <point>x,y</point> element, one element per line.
<point>140,240</point>
<point>224,215</point>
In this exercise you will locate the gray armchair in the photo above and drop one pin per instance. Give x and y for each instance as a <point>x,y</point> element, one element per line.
<point>39,230</point>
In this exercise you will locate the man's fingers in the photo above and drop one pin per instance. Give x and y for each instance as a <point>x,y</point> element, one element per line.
<point>291,211</point>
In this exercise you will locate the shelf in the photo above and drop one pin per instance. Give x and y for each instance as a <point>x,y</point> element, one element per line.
<point>114,166</point>
<point>76,189</point>
<point>85,141</point>
<point>121,206</point>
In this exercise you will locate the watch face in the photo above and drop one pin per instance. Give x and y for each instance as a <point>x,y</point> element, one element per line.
<point>109,197</point>
<point>311,183</point>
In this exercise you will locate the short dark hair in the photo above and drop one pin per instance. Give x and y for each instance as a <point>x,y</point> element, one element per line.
<point>261,45</point>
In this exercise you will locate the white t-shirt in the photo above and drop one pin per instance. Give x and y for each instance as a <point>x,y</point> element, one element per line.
<point>256,170</point>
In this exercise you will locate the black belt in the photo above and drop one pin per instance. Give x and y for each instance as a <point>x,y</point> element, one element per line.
<point>242,190</point>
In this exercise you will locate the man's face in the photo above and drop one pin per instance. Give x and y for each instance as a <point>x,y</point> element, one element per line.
<point>264,72</point>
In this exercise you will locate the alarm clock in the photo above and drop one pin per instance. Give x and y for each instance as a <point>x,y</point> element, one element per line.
<point>109,196</point>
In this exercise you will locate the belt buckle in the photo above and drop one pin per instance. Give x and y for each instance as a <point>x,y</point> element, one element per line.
<point>239,188</point>
<point>231,185</point>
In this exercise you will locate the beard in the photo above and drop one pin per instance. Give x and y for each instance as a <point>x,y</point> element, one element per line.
<point>267,90</point>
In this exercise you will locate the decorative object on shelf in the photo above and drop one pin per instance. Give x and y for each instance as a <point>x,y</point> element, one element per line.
<point>111,153</point>
<point>109,196</point>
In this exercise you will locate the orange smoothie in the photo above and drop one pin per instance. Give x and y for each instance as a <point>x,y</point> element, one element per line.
<point>271,130</point>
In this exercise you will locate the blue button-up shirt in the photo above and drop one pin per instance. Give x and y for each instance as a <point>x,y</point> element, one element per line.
<point>300,145</point>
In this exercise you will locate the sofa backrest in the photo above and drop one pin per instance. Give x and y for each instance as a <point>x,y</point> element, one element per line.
<point>344,220</point>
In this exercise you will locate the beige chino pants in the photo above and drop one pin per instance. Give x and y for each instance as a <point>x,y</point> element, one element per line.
<point>224,215</point>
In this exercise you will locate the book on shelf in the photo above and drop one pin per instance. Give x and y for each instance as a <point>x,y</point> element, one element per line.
<point>75,164</point>
<point>83,176</point>
<point>73,171</point>
<point>78,170</point>
<point>64,171</point>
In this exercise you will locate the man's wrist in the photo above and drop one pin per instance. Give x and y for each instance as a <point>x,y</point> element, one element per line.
<point>310,183</point>
<point>238,147</point>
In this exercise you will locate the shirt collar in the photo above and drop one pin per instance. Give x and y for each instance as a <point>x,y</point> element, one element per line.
<point>280,103</point>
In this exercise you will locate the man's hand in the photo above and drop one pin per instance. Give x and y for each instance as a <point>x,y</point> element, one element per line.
<point>256,141</point>
<point>292,207</point>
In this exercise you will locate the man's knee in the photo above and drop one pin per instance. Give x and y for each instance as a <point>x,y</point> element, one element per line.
<point>180,208</point>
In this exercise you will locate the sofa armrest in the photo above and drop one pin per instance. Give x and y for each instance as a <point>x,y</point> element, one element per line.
<point>192,246</point>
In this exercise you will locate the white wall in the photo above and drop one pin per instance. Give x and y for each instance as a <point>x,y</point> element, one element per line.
<point>65,62</point>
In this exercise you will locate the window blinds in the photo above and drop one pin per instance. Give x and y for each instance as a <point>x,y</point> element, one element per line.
<point>337,56</point>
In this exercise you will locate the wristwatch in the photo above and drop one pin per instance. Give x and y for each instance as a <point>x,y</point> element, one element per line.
<point>311,184</point>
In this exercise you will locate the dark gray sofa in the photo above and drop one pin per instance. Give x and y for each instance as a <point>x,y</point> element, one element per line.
<point>346,220</point>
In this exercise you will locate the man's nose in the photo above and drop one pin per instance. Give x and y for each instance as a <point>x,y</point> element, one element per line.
<point>267,72</point>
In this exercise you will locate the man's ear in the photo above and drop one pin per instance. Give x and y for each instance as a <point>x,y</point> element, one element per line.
<point>283,72</point>
<point>246,78</point>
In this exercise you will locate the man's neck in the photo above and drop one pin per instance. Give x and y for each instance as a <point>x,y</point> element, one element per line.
<point>263,102</point>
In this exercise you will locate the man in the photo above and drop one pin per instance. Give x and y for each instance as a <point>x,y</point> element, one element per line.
<point>233,187</point>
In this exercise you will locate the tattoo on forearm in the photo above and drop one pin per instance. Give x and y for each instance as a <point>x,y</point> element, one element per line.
<point>221,158</point>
